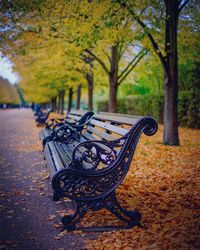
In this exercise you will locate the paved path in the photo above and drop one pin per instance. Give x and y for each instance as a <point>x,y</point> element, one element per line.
<point>29,219</point>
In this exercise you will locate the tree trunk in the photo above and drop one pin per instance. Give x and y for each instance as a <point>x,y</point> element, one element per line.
<point>62,101</point>
<point>53,104</point>
<point>113,80</point>
<point>90,80</point>
<point>59,103</point>
<point>78,96</point>
<point>70,95</point>
<point>171,136</point>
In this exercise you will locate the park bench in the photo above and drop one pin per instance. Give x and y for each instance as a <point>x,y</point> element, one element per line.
<point>75,119</point>
<point>90,167</point>
<point>37,111</point>
<point>41,117</point>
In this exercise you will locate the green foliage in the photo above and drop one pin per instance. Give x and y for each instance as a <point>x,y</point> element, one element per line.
<point>152,104</point>
<point>132,89</point>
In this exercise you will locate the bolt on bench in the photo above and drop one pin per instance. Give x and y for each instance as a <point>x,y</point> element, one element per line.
<point>89,168</point>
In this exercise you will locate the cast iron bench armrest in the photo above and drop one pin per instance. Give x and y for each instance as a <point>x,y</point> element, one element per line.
<point>57,126</point>
<point>107,152</point>
<point>51,122</point>
<point>74,118</point>
<point>66,132</point>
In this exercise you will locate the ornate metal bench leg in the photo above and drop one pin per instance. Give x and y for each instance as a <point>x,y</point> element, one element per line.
<point>132,218</point>
<point>70,221</point>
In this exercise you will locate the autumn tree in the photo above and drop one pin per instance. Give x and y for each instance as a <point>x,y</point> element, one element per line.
<point>8,93</point>
<point>108,39</point>
<point>168,57</point>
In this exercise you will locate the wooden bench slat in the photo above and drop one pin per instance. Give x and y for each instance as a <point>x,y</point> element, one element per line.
<point>73,117</point>
<point>53,161</point>
<point>78,112</point>
<point>89,136</point>
<point>65,155</point>
<point>58,163</point>
<point>44,133</point>
<point>101,134</point>
<point>120,115</point>
<point>118,119</point>
<point>112,128</point>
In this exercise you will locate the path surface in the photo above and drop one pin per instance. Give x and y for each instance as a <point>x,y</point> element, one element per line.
<point>29,219</point>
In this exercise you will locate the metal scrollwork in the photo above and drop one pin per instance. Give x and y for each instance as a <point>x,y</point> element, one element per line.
<point>66,134</point>
<point>91,154</point>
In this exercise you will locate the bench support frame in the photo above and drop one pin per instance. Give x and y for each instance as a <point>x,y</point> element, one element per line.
<point>130,218</point>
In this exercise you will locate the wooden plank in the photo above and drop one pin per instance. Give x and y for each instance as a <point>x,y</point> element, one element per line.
<point>112,128</point>
<point>101,134</point>
<point>118,119</point>
<point>55,156</point>
<point>74,117</point>
<point>77,112</point>
<point>44,133</point>
<point>65,155</point>
<point>51,164</point>
<point>89,136</point>
<point>120,115</point>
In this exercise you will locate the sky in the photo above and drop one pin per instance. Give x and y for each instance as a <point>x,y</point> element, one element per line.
<point>6,70</point>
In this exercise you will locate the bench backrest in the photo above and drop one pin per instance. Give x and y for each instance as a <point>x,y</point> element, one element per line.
<point>109,137</point>
<point>46,115</point>
<point>78,116</point>
<point>74,116</point>
<point>108,127</point>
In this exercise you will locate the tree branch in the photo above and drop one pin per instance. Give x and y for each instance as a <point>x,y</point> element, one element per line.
<point>153,42</point>
<point>121,50</point>
<point>132,67</point>
<point>109,59</point>
<point>131,62</point>
<point>183,5</point>
<point>98,60</point>
<point>149,35</point>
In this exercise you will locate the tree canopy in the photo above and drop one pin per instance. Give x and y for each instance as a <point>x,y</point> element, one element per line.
<point>111,46</point>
